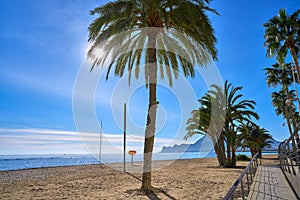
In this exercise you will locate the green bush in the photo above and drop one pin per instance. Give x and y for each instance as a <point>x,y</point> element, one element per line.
<point>242,157</point>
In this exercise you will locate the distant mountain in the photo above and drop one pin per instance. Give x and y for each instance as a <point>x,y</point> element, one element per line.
<point>274,147</point>
<point>205,144</point>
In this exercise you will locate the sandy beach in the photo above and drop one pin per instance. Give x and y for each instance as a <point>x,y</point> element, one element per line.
<point>183,179</point>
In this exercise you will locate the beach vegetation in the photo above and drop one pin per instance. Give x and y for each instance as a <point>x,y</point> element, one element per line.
<point>242,157</point>
<point>255,138</point>
<point>238,111</point>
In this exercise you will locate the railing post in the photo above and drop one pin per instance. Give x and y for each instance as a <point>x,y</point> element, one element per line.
<point>279,156</point>
<point>288,152</point>
<point>248,185</point>
<point>290,158</point>
<point>283,156</point>
<point>242,187</point>
<point>250,167</point>
<point>260,161</point>
<point>286,159</point>
<point>254,168</point>
<point>296,151</point>
<point>251,174</point>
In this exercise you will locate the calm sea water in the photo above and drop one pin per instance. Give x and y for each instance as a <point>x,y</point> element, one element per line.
<point>15,162</point>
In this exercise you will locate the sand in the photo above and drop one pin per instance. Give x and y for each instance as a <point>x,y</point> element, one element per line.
<point>183,179</point>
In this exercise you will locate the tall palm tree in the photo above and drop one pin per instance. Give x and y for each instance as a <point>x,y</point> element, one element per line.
<point>237,111</point>
<point>153,32</point>
<point>283,100</point>
<point>282,35</point>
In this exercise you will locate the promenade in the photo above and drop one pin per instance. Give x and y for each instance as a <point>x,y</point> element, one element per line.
<point>270,183</point>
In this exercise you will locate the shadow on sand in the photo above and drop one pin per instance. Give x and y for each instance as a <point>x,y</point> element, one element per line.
<point>150,194</point>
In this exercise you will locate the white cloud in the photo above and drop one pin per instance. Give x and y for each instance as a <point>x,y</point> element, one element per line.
<point>59,140</point>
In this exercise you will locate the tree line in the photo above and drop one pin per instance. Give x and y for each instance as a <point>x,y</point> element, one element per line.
<point>228,119</point>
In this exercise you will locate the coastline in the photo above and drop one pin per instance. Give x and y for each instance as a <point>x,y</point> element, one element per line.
<point>183,179</point>
<point>35,161</point>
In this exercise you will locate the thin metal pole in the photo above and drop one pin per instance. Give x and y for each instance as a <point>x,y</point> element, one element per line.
<point>242,187</point>
<point>295,83</point>
<point>248,184</point>
<point>287,158</point>
<point>290,158</point>
<point>100,147</point>
<point>250,169</point>
<point>124,156</point>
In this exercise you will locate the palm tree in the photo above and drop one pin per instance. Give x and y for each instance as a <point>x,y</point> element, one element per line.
<point>237,111</point>
<point>162,34</point>
<point>283,100</point>
<point>204,122</point>
<point>263,140</point>
<point>255,138</point>
<point>279,74</point>
<point>247,137</point>
<point>282,35</point>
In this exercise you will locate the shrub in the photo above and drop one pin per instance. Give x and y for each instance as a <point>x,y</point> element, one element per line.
<point>242,157</point>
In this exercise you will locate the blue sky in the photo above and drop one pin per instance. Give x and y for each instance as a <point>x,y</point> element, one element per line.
<point>44,44</point>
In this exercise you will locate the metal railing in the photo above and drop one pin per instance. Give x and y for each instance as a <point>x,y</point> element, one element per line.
<point>241,187</point>
<point>289,156</point>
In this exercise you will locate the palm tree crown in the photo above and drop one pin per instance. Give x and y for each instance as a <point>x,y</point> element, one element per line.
<point>128,18</point>
<point>282,33</point>
<point>279,74</point>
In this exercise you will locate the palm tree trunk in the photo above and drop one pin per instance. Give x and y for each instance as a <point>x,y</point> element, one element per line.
<point>233,160</point>
<point>252,152</point>
<point>228,152</point>
<point>290,116</point>
<point>234,146</point>
<point>228,146</point>
<point>289,125</point>
<point>222,147</point>
<point>260,153</point>
<point>151,117</point>
<point>295,58</point>
<point>294,132</point>
<point>220,150</point>
<point>286,113</point>
<point>295,129</point>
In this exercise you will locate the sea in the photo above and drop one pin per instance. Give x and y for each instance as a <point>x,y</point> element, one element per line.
<point>29,161</point>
